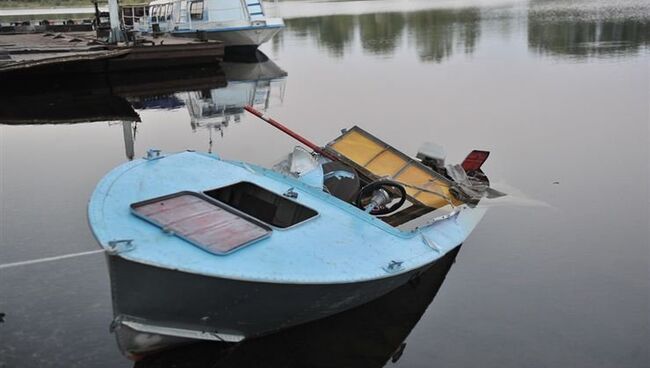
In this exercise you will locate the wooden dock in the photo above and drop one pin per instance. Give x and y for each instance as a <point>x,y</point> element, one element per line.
<point>81,52</point>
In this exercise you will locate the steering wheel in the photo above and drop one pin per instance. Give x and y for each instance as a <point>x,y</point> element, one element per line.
<point>392,188</point>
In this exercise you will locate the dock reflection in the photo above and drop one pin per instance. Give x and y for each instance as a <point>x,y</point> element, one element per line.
<point>213,95</point>
<point>368,336</point>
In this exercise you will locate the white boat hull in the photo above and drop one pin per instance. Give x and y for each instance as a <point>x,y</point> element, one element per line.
<point>235,37</point>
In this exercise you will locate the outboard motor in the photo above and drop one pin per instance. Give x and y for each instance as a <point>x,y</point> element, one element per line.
<point>433,155</point>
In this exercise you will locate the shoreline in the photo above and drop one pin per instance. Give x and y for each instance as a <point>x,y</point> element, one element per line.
<point>56,4</point>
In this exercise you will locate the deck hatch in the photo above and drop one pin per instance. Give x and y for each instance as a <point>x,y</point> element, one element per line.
<point>206,223</point>
<point>263,204</point>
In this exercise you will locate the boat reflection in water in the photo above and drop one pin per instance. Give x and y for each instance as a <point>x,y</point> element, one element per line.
<point>260,84</point>
<point>213,96</point>
<point>367,336</point>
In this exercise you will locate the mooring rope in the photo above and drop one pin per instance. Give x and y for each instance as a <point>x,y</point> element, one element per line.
<point>49,259</point>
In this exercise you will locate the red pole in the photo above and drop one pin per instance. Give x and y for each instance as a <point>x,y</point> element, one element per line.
<point>290,132</point>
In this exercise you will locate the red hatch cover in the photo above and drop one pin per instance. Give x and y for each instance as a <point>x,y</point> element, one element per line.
<point>202,221</point>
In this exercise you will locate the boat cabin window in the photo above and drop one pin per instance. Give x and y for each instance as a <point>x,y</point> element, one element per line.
<point>226,11</point>
<point>262,204</point>
<point>196,10</point>
<point>177,13</point>
<point>158,13</point>
<point>168,11</point>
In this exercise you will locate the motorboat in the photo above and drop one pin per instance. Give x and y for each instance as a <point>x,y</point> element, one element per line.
<point>237,23</point>
<point>200,247</point>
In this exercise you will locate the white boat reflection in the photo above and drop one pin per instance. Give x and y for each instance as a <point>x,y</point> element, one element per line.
<point>259,84</point>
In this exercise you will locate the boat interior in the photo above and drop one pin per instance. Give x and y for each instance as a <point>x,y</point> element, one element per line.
<point>427,187</point>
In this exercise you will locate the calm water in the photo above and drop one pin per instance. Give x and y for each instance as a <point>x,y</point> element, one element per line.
<point>555,276</point>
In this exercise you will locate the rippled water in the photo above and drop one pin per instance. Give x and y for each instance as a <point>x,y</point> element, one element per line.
<point>556,275</point>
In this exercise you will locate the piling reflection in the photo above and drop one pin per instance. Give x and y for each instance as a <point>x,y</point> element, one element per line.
<point>368,336</point>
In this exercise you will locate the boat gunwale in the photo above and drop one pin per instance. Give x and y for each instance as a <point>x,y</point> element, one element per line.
<point>283,281</point>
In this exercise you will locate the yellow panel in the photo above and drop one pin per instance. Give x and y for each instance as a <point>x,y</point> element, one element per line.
<point>431,200</point>
<point>357,147</point>
<point>415,176</point>
<point>419,177</point>
<point>410,191</point>
<point>387,163</point>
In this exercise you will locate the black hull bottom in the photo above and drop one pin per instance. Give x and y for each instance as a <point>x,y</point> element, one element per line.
<point>154,296</point>
<point>362,337</point>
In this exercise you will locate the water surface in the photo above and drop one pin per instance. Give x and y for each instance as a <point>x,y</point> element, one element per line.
<point>558,91</point>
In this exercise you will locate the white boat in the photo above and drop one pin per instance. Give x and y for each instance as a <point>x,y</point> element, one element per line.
<point>237,23</point>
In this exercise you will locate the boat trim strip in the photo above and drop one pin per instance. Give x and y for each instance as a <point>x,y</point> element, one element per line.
<point>229,29</point>
<point>182,332</point>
